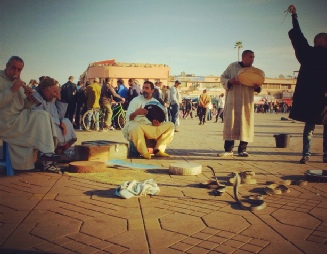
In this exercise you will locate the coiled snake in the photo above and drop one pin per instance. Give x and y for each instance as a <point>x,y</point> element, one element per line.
<point>256,201</point>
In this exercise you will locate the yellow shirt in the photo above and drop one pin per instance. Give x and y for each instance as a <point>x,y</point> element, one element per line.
<point>204,100</point>
<point>92,94</point>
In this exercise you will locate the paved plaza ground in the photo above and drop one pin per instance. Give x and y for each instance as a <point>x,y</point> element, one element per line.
<point>78,213</point>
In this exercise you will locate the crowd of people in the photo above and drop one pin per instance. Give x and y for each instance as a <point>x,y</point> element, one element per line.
<point>273,107</point>
<point>40,117</point>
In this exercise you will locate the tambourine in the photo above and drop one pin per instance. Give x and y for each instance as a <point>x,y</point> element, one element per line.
<point>251,76</point>
<point>316,175</point>
<point>155,111</point>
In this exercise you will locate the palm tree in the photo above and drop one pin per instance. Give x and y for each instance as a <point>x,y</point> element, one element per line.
<point>238,45</point>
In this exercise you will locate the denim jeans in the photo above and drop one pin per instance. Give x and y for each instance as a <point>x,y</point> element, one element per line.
<point>174,111</point>
<point>96,115</point>
<point>307,138</point>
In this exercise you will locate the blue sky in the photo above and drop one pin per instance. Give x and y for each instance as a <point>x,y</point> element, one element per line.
<point>59,38</point>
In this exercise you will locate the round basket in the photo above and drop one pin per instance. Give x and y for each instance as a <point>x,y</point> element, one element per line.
<point>185,168</point>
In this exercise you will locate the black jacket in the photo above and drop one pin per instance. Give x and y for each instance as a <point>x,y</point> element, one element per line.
<point>108,93</point>
<point>309,96</point>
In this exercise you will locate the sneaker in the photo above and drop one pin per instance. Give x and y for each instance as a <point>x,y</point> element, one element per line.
<point>53,169</point>
<point>112,128</point>
<point>176,130</point>
<point>324,158</point>
<point>225,154</point>
<point>50,167</point>
<point>243,154</point>
<point>304,160</point>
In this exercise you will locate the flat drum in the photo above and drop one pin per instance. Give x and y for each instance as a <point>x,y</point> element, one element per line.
<point>185,168</point>
<point>251,76</point>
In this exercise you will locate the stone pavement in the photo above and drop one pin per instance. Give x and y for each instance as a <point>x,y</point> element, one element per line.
<point>60,213</point>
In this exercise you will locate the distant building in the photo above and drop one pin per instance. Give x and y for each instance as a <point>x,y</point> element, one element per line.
<point>273,89</point>
<point>116,70</point>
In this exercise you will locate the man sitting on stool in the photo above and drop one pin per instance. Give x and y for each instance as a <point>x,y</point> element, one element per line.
<point>138,127</point>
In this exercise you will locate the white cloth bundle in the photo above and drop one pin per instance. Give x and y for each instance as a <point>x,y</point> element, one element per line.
<point>134,188</point>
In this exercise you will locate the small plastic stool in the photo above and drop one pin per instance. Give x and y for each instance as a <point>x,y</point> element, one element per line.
<point>5,161</point>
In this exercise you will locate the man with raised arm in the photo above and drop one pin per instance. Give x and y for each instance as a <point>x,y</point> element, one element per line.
<point>310,96</point>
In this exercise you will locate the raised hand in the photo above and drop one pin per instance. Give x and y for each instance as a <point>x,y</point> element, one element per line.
<point>291,9</point>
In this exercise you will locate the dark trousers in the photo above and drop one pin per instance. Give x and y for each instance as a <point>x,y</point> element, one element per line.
<point>229,145</point>
<point>202,113</point>
<point>71,111</point>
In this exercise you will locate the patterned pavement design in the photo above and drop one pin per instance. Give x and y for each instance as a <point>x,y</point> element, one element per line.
<point>73,213</point>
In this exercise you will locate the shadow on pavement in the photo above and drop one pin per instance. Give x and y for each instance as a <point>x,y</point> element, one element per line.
<point>109,193</point>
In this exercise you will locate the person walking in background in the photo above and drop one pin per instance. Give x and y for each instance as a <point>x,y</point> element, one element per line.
<point>92,95</point>
<point>165,94</point>
<point>80,105</point>
<point>122,91</point>
<point>203,105</point>
<point>134,90</point>
<point>309,99</point>
<point>157,93</point>
<point>68,91</point>
<point>175,101</point>
<point>209,111</point>
<point>239,107</point>
<point>108,92</point>
<point>220,106</point>
<point>188,108</point>
<point>165,98</point>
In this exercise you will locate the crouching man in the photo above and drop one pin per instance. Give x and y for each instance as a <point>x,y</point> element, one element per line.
<point>139,127</point>
<point>48,94</point>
